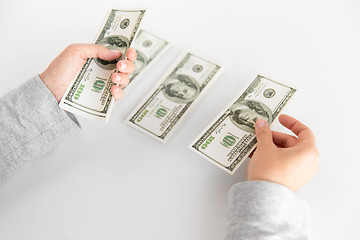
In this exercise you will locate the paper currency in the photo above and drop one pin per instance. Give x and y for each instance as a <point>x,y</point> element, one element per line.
<point>89,94</point>
<point>167,105</point>
<point>148,47</point>
<point>229,140</point>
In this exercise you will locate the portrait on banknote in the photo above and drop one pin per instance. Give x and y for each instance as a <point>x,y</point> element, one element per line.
<point>180,88</point>
<point>244,114</point>
<point>114,43</point>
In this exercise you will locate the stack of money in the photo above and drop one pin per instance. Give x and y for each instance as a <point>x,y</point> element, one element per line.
<point>161,112</point>
<point>230,139</point>
<point>89,93</point>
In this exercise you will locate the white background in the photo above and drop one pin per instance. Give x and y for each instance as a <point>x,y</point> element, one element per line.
<point>111,182</point>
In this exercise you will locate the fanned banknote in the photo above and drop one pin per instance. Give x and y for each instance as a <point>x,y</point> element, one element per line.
<point>229,140</point>
<point>173,97</point>
<point>89,93</point>
<point>148,47</point>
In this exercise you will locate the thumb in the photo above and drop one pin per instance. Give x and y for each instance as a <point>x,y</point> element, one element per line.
<point>96,51</point>
<point>263,134</point>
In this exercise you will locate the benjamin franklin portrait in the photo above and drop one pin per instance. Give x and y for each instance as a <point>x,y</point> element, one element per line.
<point>180,88</point>
<point>115,43</point>
<point>245,113</point>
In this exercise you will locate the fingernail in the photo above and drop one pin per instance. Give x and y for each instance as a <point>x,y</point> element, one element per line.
<point>123,66</point>
<point>260,123</point>
<point>118,78</point>
<point>132,54</point>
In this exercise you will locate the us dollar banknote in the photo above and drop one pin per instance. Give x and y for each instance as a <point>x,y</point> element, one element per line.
<point>148,47</point>
<point>89,94</point>
<point>161,112</point>
<point>230,139</point>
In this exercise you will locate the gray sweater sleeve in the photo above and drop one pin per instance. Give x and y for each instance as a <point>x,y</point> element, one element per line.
<point>31,123</point>
<point>265,211</point>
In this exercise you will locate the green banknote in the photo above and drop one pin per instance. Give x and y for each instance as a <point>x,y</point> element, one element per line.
<point>230,138</point>
<point>161,112</point>
<point>89,93</point>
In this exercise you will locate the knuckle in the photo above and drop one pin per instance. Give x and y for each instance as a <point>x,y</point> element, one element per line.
<point>72,46</point>
<point>262,131</point>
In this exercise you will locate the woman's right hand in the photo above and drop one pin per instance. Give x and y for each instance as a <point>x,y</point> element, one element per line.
<point>281,158</point>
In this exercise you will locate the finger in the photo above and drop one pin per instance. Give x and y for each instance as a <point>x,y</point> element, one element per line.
<point>125,66</point>
<point>283,140</point>
<point>131,54</point>
<point>86,51</point>
<point>120,78</point>
<point>263,135</point>
<point>251,154</point>
<point>299,129</point>
<point>117,92</point>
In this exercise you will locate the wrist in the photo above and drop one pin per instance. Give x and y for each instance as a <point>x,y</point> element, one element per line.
<point>56,91</point>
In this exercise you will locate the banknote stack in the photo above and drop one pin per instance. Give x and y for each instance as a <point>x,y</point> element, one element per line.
<point>229,140</point>
<point>173,98</point>
<point>89,93</point>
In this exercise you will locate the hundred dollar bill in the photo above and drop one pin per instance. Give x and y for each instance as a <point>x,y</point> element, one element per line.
<point>89,94</point>
<point>174,96</point>
<point>148,47</point>
<point>229,140</point>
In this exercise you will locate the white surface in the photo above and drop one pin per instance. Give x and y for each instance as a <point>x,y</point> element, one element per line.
<point>112,182</point>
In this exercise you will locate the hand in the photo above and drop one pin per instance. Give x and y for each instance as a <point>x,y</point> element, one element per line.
<point>281,158</point>
<point>64,68</point>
